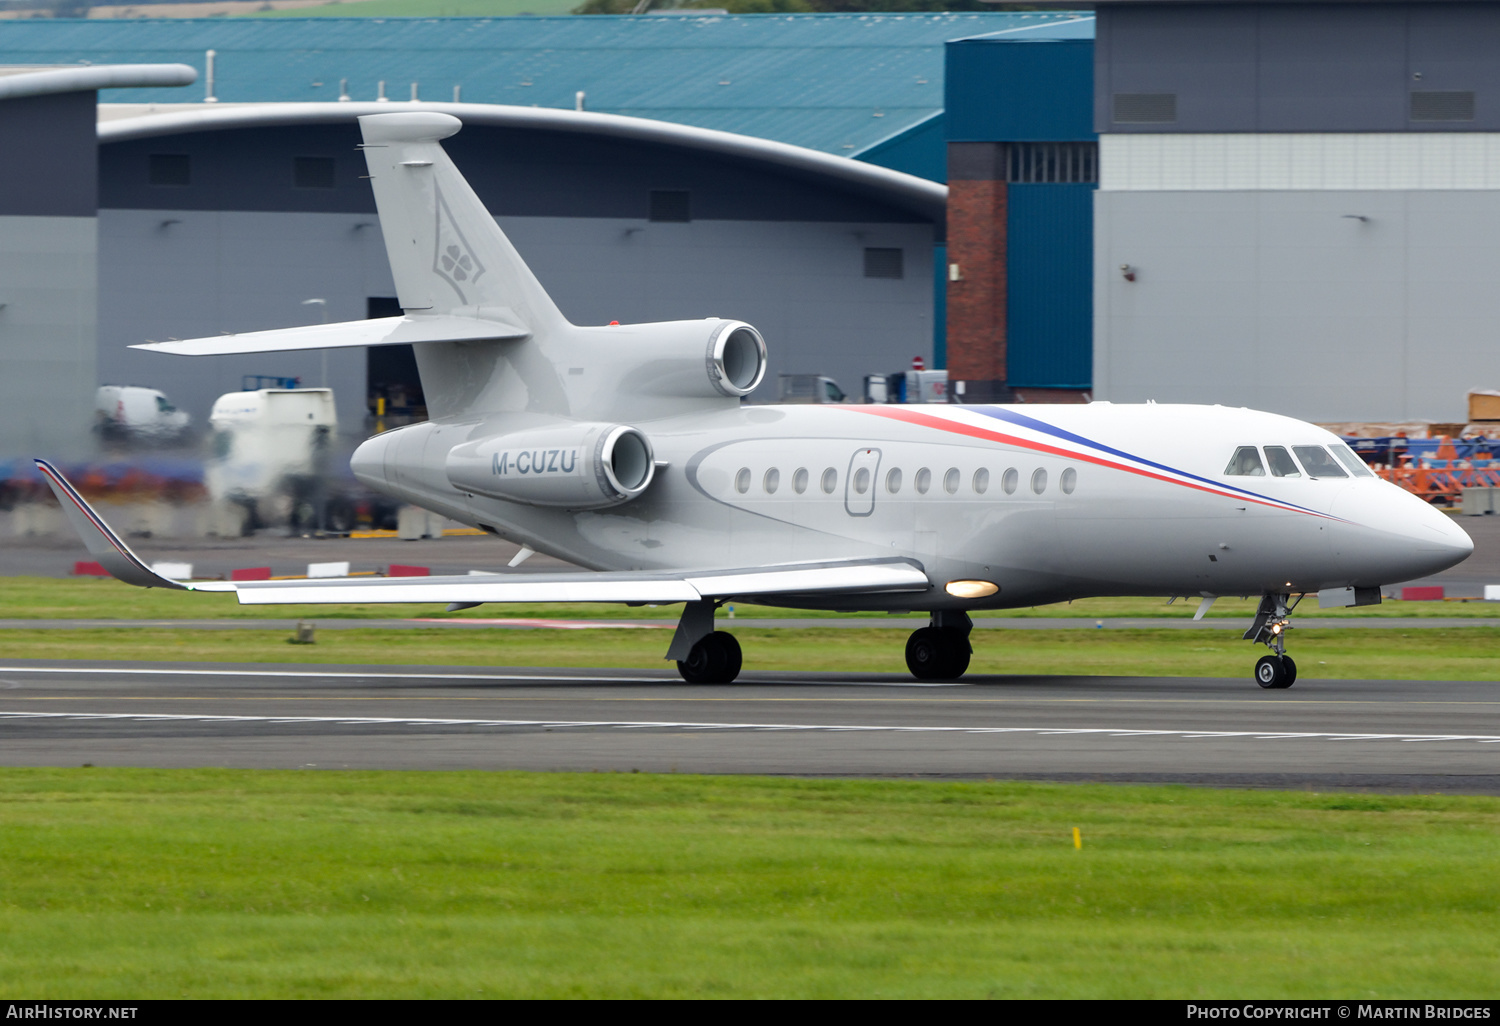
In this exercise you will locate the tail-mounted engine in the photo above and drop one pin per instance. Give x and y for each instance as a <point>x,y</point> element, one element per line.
<point>736,359</point>
<point>576,466</point>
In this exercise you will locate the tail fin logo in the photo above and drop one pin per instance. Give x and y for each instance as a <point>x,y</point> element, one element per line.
<point>453,260</point>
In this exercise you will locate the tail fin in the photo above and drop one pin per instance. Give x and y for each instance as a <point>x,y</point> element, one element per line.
<point>446,251</point>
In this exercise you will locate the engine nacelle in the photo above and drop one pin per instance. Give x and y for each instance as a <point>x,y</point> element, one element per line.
<point>708,359</point>
<point>575,466</point>
<point>736,359</point>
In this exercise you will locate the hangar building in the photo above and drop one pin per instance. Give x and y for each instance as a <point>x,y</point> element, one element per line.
<point>1299,205</point>
<point>230,215</point>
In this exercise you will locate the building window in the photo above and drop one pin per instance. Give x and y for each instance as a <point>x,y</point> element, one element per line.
<point>1446,105</point>
<point>1051,162</point>
<point>670,205</point>
<point>169,169</point>
<point>882,263</point>
<point>312,172</point>
<point>1145,108</point>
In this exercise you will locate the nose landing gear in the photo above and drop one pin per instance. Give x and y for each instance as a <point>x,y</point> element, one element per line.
<point>941,651</point>
<point>1272,620</point>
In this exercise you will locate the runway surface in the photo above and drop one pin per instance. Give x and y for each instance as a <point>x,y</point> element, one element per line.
<point>1016,623</point>
<point>1379,735</point>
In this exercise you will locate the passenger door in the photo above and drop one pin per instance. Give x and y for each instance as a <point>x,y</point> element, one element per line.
<point>859,483</point>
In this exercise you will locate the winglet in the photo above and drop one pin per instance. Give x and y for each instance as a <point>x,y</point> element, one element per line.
<point>103,544</point>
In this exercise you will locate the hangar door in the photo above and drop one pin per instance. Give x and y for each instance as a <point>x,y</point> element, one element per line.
<point>391,371</point>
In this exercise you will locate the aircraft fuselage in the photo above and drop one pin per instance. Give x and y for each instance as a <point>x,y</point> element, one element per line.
<point>1047,502</point>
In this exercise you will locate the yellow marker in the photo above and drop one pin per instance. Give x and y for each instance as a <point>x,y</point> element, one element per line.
<point>1077,839</point>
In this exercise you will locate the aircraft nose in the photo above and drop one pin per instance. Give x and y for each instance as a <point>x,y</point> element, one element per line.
<point>1399,537</point>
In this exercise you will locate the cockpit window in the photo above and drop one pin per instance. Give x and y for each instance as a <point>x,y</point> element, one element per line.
<point>1282,464</point>
<point>1317,462</point>
<point>1347,457</point>
<point>1245,463</point>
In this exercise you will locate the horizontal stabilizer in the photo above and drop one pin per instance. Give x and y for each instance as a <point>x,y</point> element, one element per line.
<point>841,577</point>
<point>381,331</point>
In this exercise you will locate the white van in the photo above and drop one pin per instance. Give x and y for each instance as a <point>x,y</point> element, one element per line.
<point>134,411</point>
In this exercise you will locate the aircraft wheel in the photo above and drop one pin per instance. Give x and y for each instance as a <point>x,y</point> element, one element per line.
<point>1273,673</point>
<point>716,659</point>
<point>937,654</point>
<point>956,651</point>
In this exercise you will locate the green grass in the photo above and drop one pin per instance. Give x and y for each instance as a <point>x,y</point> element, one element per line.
<point>425,9</point>
<point>94,598</point>
<point>1460,653</point>
<point>216,883</point>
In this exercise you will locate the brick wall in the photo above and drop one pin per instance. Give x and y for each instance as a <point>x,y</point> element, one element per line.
<point>976,244</point>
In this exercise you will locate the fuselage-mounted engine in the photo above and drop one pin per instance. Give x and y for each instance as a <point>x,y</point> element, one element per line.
<point>574,466</point>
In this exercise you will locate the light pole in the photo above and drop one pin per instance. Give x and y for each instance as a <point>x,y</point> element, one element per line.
<point>322,305</point>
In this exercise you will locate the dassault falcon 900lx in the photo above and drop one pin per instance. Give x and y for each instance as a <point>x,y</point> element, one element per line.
<point>626,449</point>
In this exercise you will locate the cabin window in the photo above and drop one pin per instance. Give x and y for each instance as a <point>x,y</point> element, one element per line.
<point>1069,481</point>
<point>742,480</point>
<point>862,480</point>
<point>1039,481</point>
<point>1347,457</point>
<point>1317,462</point>
<point>950,481</point>
<point>893,480</point>
<point>924,481</point>
<point>772,481</point>
<point>830,481</point>
<point>1010,480</point>
<point>981,481</point>
<point>799,480</point>
<point>1245,463</point>
<point>1282,464</point>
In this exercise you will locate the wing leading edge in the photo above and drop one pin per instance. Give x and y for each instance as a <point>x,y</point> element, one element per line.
<point>832,577</point>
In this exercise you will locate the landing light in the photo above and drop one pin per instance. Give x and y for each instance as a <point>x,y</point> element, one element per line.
<point>971,589</point>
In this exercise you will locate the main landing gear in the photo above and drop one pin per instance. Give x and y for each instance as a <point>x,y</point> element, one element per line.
<point>704,655</point>
<point>1272,620</point>
<point>941,651</point>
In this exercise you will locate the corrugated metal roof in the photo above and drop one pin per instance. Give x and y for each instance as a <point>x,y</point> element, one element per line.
<point>832,82</point>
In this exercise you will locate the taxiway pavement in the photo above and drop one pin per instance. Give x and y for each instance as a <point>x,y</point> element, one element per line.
<point>1380,735</point>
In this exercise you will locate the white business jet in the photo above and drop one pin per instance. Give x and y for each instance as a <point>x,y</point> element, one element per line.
<point>626,449</point>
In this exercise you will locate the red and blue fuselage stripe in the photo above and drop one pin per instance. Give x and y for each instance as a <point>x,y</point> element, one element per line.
<point>1144,468</point>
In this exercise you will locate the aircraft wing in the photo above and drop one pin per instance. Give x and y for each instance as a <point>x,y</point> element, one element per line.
<point>830,577</point>
<point>381,331</point>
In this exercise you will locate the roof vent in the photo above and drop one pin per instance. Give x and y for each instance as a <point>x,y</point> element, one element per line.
<point>1446,105</point>
<point>1145,108</point>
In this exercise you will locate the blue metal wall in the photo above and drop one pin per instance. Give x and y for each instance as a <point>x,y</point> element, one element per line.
<point>1049,268</point>
<point>1005,90</point>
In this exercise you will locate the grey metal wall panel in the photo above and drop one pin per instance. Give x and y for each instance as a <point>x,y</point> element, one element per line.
<point>1332,67</point>
<point>1281,301</point>
<point>801,283</point>
<point>1335,67</point>
<point>48,166</point>
<point>1205,55</point>
<point>47,327</point>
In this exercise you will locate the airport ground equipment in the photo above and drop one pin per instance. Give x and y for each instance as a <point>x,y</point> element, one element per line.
<point>626,449</point>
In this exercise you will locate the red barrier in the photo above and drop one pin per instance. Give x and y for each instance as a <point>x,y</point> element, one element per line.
<point>254,573</point>
<point>397,570</point>
<point>1425,593</point>
<point>82,569</point>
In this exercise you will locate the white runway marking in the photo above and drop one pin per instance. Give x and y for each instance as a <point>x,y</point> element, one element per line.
<point>403,721</point>
<point>378,675</point>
